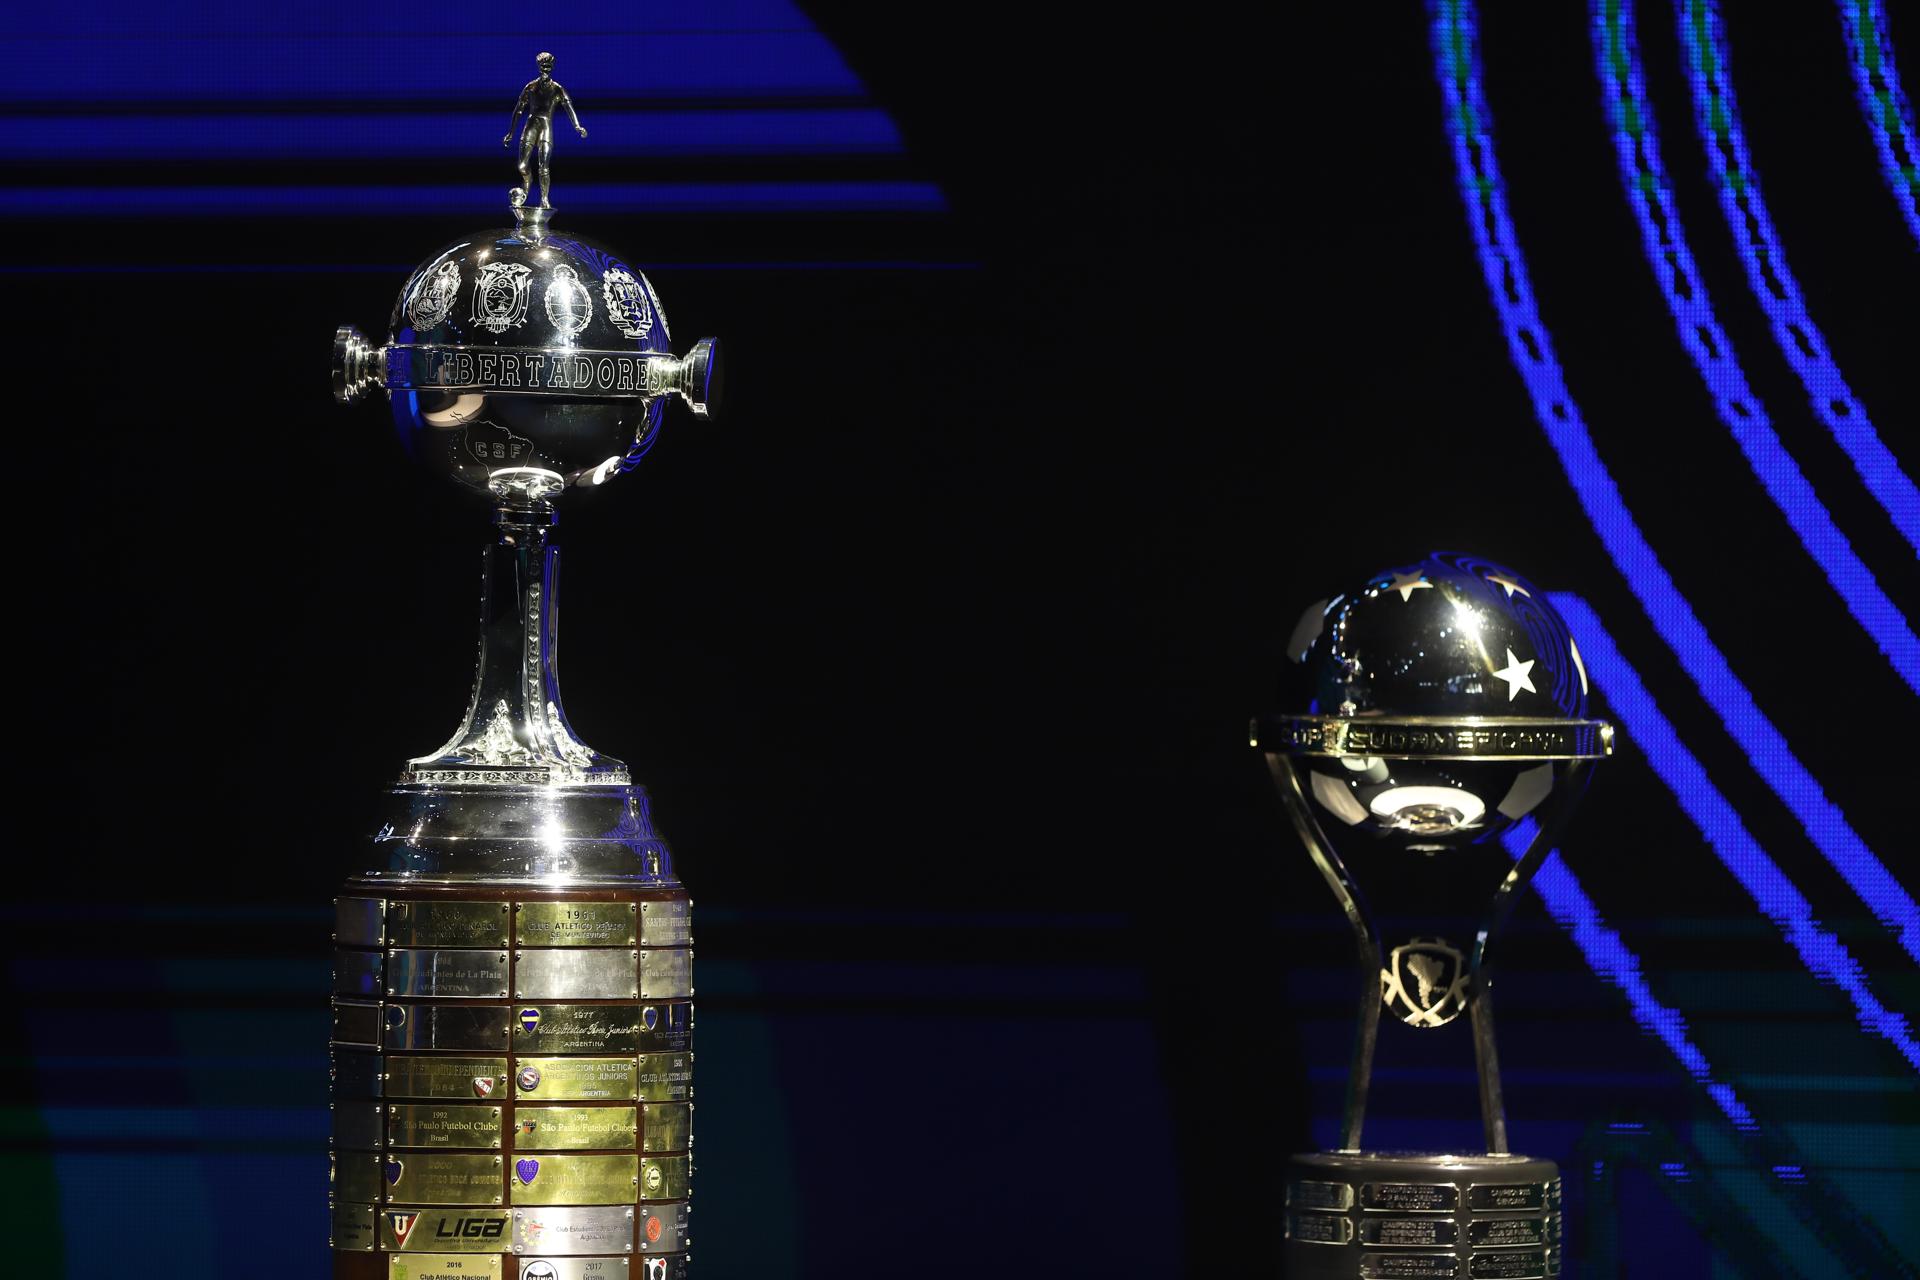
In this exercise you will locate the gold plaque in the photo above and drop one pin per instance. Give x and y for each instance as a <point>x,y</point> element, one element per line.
<point>666,1077</point>
<point>569,974</point>
<point>579,1028</point>
<point>667,1126</point>
<point>356,1176</point>
<point>570,1079</point>
<point>574,1128</point>
<point>472,1027</point>
<point>443,973</point>
<point>447,924</point>
<point>664,1177</point>
<point>446,1230</point>
<point>666,924</point>
<point>352,1226</point>
<point>442,1266</point>
<point>577,924</point>
<point>666,973</point>
<point>431,1178</point>
<point>446,1077</point>
<point>575,1179</point>
<point>412,1125</point>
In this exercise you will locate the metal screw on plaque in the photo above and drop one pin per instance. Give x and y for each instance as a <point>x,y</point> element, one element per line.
<point>522,363</point>
<point>1433,713</point>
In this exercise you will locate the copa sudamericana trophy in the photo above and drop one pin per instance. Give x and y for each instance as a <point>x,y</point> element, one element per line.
<point>512,1049</point>
<point>1438,716</point>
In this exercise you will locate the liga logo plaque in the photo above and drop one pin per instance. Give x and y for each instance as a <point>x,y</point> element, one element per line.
<point>449,1230</point>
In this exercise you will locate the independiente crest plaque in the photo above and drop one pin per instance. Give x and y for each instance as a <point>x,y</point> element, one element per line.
<point>512,1065</point>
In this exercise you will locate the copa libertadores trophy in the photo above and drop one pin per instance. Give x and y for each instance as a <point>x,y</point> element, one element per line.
<point>1439,710</point>
<point>512,1064</point>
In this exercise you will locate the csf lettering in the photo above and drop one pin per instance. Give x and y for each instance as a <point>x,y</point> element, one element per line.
<point>470,1229</point>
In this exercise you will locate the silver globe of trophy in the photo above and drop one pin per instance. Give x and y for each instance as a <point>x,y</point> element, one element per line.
<point>1434,710</point>
<point>512,1062</point>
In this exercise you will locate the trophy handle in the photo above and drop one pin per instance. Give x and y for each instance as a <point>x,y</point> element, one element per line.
<point>1366,1032</point>
<point>1493,1112</point>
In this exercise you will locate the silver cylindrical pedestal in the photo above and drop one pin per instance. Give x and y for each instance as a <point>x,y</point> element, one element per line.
<point>1397,1216</point>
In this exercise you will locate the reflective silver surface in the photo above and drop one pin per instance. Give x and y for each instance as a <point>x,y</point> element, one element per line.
<point>537,103</point>
<point>566,1231</point>
<point>1435,707</point>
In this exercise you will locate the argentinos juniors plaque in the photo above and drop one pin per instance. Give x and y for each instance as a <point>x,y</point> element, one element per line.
<point>512,964</point>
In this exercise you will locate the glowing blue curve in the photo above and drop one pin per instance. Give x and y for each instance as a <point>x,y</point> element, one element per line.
<point>1610,957</point>
<point>1469,129</point>
<point>1884,102</point>
<point>1637,145</point>
<point>1824,955</point>
<point>1716,114</point>
<point>1636,140</point>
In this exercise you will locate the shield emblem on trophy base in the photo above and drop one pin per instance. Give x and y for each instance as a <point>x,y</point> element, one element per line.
<point>1425,983</point>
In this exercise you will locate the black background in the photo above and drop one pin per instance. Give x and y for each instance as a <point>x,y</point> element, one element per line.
<point>960,609</point>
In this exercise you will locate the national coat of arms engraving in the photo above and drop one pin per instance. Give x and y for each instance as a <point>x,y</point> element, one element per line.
<point>500,296</point>
<point>434,302</point>
<point>627,304</point>
<point>569,305</point>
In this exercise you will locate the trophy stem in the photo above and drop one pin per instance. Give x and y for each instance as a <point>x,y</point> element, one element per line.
<point>1366,1030</point>
<point>1486,1059</point>
<point>515,729</point>
<point>1493,1115</point>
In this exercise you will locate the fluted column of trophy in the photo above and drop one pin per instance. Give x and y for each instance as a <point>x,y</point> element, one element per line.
<point>512,1048</point>
<point>1432,712</point>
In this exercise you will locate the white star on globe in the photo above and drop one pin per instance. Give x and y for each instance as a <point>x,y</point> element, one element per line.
<point>1407,583</point>
<point>1515,674</point>
<point>1510,585</point>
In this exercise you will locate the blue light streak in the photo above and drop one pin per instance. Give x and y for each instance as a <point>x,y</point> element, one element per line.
<point>1609,956</point>
<point>305,135</point>
<point>1636,139</point>
<point>454,65</point>
<point>1716,113</point>
<point>480,200</point>
<point>1648,729</point>
<point>1469,124</point>
<point>1884,102</point>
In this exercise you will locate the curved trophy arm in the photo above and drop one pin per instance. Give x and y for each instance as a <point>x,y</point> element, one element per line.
<point>1493,1114</point>
<point>1366,942</point>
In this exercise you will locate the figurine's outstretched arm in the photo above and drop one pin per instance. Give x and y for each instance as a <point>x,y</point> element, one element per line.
<point>567,102</point>
<point>518,107</point>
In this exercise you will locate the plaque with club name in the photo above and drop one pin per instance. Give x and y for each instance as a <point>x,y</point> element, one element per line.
<point>447,974</point>
<point>573,1230</point>
<point>575,1128</point>
<point>666,1077</point>
<point>435,1077</point>
<point>577,924</point>
<point>431,1178</point>
<point>448,924</point>
<point>411,1124</point>
<point>562,973</point>
<point>576,1080</point>
<point>575,1179</point>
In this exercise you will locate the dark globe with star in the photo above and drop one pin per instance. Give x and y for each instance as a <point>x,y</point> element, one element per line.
<point>1470,665</point>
